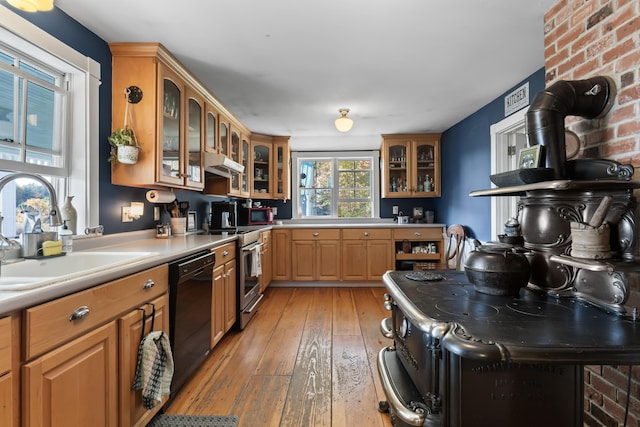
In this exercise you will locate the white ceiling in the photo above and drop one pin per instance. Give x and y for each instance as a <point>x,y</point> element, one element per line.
<point>285,67</point>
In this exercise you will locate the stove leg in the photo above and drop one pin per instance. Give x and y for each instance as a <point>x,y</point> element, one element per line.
<point>383,407</point>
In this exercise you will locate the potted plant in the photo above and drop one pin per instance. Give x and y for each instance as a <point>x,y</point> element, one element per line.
<point>124,146</point>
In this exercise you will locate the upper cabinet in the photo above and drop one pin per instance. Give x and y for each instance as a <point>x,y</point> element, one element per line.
<point>411,165</point>
<point>270,167</point>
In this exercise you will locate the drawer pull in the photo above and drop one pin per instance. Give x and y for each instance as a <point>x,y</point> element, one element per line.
<point>79,313</point>
<point>225,253</point>
<point>316,234</point>
<point>148,284</point>
<point>367,234</point>
<point>417,233</point>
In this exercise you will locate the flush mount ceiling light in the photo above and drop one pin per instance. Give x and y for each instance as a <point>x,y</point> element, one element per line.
<point>32,5</point>
<point>344,123</point>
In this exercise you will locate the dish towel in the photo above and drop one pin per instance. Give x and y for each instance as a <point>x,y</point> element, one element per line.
<point>154,370</point>
<point>256,265</point>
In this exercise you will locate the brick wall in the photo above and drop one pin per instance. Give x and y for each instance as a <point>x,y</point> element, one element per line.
<point>583,39</point>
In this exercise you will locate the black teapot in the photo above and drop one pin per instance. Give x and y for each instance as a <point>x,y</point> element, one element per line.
<point>497,269</point>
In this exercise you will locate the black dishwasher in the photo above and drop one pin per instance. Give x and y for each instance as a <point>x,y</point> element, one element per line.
<point>190,282</point>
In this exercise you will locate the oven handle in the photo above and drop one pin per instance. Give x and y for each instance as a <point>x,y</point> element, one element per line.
<point>252,246</point>
<point>254,305</point>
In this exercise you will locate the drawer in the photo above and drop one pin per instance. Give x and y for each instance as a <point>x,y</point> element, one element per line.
<point>316,234</point>
<point>48,325</point>
<point>414,233</point>
<point>366,233</point>
<point>5,345</point>
<point>225,253</point>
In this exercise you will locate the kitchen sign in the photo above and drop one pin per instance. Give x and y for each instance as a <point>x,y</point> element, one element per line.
<point>516,100</point>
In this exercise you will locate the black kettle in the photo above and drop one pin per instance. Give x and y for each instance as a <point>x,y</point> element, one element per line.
<point>497,269</point>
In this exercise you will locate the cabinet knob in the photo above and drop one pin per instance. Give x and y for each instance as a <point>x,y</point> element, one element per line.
<point>148,284</point>
<point>316,234</point>
<point>225,253</point>
<point>367,234</point>
<point>417,233</point>
<point>79,313</point>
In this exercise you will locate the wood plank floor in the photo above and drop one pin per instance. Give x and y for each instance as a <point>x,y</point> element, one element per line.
<point>308,358</point>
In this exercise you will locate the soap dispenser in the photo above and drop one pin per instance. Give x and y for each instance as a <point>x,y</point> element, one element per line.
<point>66,236</point>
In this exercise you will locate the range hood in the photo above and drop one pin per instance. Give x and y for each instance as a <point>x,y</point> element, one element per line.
<point>221,165</point>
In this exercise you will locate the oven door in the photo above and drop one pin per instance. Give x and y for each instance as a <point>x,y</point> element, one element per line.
<point>249,282</point>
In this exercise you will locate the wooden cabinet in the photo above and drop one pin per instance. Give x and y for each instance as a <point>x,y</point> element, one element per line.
<point>130,329</point>
<point>266,260</point>
<point>270,167</point>
<point>411,165</point>
<point>281,254</point>
<point>75,384</point>
<point>224,295</point>
<point>168,120</point>
<point>419,244</point>
<point>9,371</point>
<point>72,347</point>
<point>315,254</point>
<point>366,253</point>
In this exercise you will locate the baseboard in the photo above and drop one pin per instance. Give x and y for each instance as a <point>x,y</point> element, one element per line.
<point>326,284</point>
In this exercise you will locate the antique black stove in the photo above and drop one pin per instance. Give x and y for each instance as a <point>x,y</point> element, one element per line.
<point>465,358</point>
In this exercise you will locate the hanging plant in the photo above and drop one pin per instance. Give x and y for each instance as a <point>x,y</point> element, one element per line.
<point>123,141</point>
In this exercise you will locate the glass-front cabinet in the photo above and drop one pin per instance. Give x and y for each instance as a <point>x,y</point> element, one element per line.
<point>173,89</point>
<point>194,173</point>
<point>224,135</point>
<point>411,165</point>
<point>211,129</point>
<point>244,160</point>
<point>281,168</point>
<point>262,149</point>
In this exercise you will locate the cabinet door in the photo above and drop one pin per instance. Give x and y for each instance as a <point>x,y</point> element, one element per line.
<point>262,160</point>
<point>194,172</point>
<point>396,175</point>
<point>74,385</point>
<point>281,169</point>
<point>170,169</point>
<point>132,413</point>
<point>354,260</point>
<point>223,135</point>
<point>267,269</point>
<point>425,160</point>
<point>244,157</point>
<point>281,254</point>
<point>303,260</point>
<point>218,305</point>
<point>211,137</point>
<point>6,401</point>
<point>379,258</point>
<point>230,295</point>
<point>327,260</point>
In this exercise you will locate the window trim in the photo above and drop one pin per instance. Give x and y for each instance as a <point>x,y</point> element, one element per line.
<point>83,117</point>
<point>374,155</point>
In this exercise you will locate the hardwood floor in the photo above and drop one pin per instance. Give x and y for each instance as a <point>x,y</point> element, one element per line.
<point>308,358</point>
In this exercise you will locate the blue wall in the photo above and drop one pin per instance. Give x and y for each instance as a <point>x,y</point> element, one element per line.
<point>466,161</point>
<point>466,164</point>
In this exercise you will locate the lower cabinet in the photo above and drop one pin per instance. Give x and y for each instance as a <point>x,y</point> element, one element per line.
<point>224,295</point>
<point>366,253</point>
<point>81,352</point>
<point>9,386</point>
<point>75,384</point>
<point>266,260</point>
<point>130,328</point>
<point>281,254</point>
<point>315,254</point>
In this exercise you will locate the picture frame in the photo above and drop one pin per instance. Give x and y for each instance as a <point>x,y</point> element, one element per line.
<point>529,157</point>
<point>192,220</point>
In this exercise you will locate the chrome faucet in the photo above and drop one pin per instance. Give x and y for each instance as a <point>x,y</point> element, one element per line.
<point>54,217</point>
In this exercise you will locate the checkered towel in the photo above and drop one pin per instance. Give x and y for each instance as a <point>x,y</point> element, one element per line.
<point>154,369</point>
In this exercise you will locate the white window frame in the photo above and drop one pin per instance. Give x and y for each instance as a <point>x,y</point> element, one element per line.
<point>374,155</point>
<point>82,154</point>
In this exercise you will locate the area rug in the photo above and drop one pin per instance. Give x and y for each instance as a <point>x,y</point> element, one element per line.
<point>173,420</point>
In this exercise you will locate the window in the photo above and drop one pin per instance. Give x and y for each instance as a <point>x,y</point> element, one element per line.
<point>48,125</point>
<point>336,186</point>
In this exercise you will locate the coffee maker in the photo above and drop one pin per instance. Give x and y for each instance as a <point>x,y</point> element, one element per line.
<point>224,217</point>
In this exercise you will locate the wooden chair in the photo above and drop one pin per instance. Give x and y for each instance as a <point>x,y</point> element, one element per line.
<point>455,245</point>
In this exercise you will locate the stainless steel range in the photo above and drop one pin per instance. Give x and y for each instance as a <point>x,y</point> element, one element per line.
<point>249,272</point>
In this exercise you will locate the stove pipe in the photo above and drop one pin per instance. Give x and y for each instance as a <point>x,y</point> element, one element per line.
<point>590,98</point>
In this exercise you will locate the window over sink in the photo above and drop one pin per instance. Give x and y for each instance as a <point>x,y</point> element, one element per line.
<point>48,123</point>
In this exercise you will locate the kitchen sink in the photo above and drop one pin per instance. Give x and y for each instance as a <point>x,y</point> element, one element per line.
<point>34,273</point>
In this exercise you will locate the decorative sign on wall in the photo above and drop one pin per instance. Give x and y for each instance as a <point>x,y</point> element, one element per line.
<point>516,100</point>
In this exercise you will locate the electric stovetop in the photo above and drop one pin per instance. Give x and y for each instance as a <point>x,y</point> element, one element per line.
<point>528,327</point>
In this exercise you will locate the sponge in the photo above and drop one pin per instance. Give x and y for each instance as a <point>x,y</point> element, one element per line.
<point>51,247</point>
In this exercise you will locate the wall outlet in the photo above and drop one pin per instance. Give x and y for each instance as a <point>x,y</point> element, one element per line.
<point>395,210</point>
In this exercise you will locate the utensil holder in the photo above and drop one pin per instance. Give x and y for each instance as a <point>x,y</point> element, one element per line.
<point>178,226</point>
